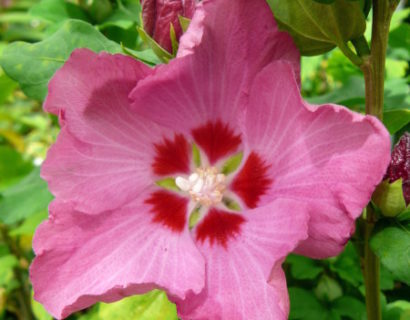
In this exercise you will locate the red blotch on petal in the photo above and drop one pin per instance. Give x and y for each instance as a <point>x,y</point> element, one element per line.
<point>219,226</point>
<point>252,181</point>
<point>216,139</point>
<point>172,156</point>
<point>169,209</point>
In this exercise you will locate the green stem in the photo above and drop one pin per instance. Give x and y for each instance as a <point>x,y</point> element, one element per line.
<point>350,54</point>
<point>23,292</point>
<point>361,46</point>
<point>373,68</point>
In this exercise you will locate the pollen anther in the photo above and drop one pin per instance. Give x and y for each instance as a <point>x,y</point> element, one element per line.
<point>205,186</point>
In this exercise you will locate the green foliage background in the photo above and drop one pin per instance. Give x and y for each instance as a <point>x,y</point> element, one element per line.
<point>51,29</point>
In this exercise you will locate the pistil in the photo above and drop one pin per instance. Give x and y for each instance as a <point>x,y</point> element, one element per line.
<point>205,186</point>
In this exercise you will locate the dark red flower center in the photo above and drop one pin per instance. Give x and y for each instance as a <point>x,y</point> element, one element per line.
<point>207,189</point>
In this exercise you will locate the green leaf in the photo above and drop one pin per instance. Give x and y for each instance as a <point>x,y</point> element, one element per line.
<point>12,166</point>
<point>7,87</point>
<point>398,17</point>
<point>4,250</point>
<point>174,40</point>
<point>349,307</point>
<point>161,53</point>
<point>397,94</point>
<point>389,198</point>
<point>325,1</point>
<point>405,215</point>
<point>303,268</point>
<point>56,11</point>
<point>391,243</point>
<point>184,22</point>
<point>386,279</point>
<point>32,65</point>
<point>347,266</point>
<point>328,289</point>
<point>124,16</point>
<point>399,41</point>
<point>7,263</point>
<point>153,305</point>
<point>394,120</point>
<point>318,28</point>
<point>29,225</point>
<point>341,69</point>
<point>395,69</point>
<point>351,94</point>
<point>99,10</point>
<point>304,305</point>
<point>15,17</point>
<point>39,311</point>
<point>397,310</point>
<point>26,198</point>
<point>147,56</point>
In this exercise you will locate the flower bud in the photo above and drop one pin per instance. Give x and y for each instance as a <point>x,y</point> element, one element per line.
<point>393,194</point>
<point>158,15</point>
<point>400,165</point>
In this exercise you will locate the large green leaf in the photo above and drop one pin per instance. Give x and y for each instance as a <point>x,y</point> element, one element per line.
<point>28,197</point>
<point>317,27</point>
<point>32,65</point>
<point>153,305</point>
<point>56,11</point>
<point>391,243</point>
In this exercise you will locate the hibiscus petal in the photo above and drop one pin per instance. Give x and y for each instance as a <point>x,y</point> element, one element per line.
<point>217,28</point>
<point>327,156</point>
<point>212,84</point>
<point>103,157</point>
<point>82,259</point>
<point>238,270</point>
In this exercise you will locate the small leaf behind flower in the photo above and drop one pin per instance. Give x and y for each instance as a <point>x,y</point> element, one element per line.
<point>391,243</point>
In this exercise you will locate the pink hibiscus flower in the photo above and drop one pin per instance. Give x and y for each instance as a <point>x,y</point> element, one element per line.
<point>215,241</point>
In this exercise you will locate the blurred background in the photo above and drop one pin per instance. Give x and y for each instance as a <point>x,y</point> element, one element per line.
<point>326,289</point>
